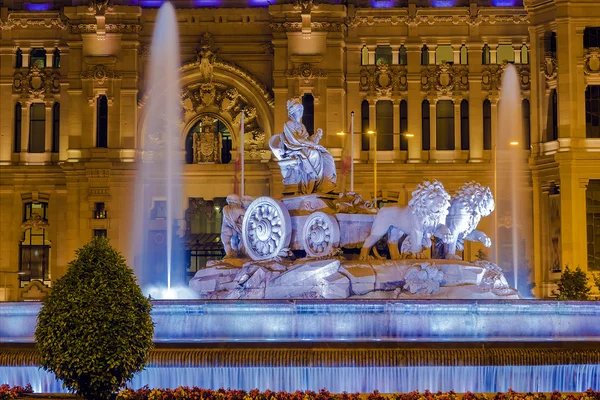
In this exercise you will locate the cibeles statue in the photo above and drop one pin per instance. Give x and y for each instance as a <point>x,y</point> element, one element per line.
<point>468,205</point>
<point>303,161</point>
<point>231,228</point>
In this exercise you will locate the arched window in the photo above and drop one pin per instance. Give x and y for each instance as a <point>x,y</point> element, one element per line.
<point>385,124</point>
<point>308,118</point>
<point>425,125</point>
<point>592,111</point>
<point>485,55</point>
<point>223,137</point>
<point>37,128</point>
<point>403,125</point>
<point>505,52</point>
<point>487,125</point>
<point>19,58</point>
<point>56,58</point>
<point>444,54</point>
<point>464,125</point>
<point>424,55</point>
<point>56,128</point>
<point>552,126</point>
<point>102,122</point>
<point>18,128</point>
<point>364,124</point>
<point>364,55</point>
<point>383,55</point>
<point>37,58</point>
<point>526,124</point>
<point>444,125</point>
<point>402,56</point>
<point>464,55</point>
<point>524,54</point>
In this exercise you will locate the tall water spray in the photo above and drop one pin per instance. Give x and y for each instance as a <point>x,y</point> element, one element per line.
<point>159,186</point>
<point>513,215</point>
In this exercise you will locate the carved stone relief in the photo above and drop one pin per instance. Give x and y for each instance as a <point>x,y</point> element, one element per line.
<point>591,61</point>
<point>207,144</point>
<point>100,74</point>
<point>445,79</point>
<point>306,72</point>
<point>383,79</point>
<point>491,76</point>
<point>36,82</point>
<point>550,69</point>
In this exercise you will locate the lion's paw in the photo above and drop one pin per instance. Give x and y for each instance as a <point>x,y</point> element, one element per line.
<point>487,242</point>
<point>453,257</point>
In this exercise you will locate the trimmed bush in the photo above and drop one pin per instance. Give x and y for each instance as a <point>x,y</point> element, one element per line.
<point>572,285</point>
<point>94,331</point>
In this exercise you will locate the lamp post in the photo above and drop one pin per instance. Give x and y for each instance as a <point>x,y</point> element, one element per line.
<point>374,168</point>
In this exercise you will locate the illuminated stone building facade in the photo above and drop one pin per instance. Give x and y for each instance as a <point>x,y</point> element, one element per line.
<point>423,74</point>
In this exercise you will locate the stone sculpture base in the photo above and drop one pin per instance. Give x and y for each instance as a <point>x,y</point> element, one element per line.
<point>342,279</point>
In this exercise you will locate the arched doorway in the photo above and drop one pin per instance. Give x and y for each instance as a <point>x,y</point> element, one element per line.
<point>208,141</point>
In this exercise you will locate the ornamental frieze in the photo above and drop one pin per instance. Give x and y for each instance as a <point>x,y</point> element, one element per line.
<point>314,26</point>
<point>419,18</point>
<point>25,20</point>
<point>36,82</point>
<point>445,79</point>
<point>306,72</point>
<point>383,79</point>
<point>591,61</point>
<point>100,74</point>
<point>109,28</point>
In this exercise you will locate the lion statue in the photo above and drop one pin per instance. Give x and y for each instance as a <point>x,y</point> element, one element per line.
<point>471,202</point>
<point>424,216</point>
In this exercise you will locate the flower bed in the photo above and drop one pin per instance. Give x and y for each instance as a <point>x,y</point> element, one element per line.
<point>195,393</point>
<point>9,393</point>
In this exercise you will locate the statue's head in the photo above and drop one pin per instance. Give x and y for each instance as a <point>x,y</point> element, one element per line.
<point>431,202</point>
<point>247,200</point>
<point>476,198</point>
<point>234,199</point>
<point>295,108</point>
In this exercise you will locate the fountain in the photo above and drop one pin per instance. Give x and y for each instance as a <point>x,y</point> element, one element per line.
<point>513,215</point>
<point>155,235</point>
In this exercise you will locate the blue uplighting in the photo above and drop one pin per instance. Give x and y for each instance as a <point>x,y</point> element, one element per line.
<point>443,3</point>
<point>38,6</point>
<point>506,3</point>
<point>383,3</point>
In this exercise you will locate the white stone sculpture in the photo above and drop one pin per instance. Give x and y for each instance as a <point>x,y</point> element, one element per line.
<point>424,216</point>
<point>468,205</point>
<point>231,228</point>
<point>303,161</point>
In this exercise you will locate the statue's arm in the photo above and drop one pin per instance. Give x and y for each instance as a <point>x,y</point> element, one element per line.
<point>478,236</point>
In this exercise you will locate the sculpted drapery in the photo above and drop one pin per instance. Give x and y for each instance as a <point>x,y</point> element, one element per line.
<point>318,173</point>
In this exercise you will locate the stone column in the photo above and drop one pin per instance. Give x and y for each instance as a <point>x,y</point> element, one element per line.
<point>493,53</point>
<point>25,106</point>
<point>396,55</point>
<point>48,126</point>
<point>456,53</point>
<point>494,104</point>
<point>432,53</point>
<point>26,51</point>
<point>517,51</point>
<point>457,138</point>
<point>371,56</point>
<point>432,124</point>
<point>49,57</point>
<point>413,53</point>
<point>475,103</point>
<point>573,214</point>
<point>397,132</point>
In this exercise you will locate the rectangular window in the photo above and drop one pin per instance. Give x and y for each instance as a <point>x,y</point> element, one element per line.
<point>159,210</point>
<point>383,55</point>
<point>99,232</point>
<point>308,118</point>
<point>403,125</point>
<point>56,128</point>
<point>100,211</point>
<point>444,54</point>
<point>592,111</point>
<point>445,125</point>
<point>591,37</point>
<point>593,225</point>
<point>102,122</point>
<point>364,120</point>
<point>37,128</point>
<point>37,58</point>
<point>425,125</point>
<point>464,125</point>
<point>505,52</point>
<point>487,125</point>
<point>30,209</point>
<point>385,125</point>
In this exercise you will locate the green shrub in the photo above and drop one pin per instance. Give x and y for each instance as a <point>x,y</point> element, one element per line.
<point>94,331</point>
<point>572,285</point>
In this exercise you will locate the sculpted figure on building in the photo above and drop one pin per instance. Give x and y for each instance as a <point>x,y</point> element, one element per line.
<point>231,228</point>
<point>305,162</point>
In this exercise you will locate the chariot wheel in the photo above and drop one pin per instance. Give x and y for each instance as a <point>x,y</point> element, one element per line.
<point>267,229</point>
<point>320,234</point>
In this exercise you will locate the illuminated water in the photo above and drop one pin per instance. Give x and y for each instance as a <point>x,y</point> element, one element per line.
<point>400,323</point>
<point>155,227</point>
<point>513,215</point>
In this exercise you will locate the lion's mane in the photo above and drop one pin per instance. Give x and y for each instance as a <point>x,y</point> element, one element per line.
<point>475,198</point>
<point>423,194</point>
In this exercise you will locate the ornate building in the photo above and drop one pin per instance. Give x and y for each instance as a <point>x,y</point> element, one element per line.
<point>423,74</point>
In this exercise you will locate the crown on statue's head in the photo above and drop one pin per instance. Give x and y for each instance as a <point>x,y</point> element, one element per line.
<point>293,104</point>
